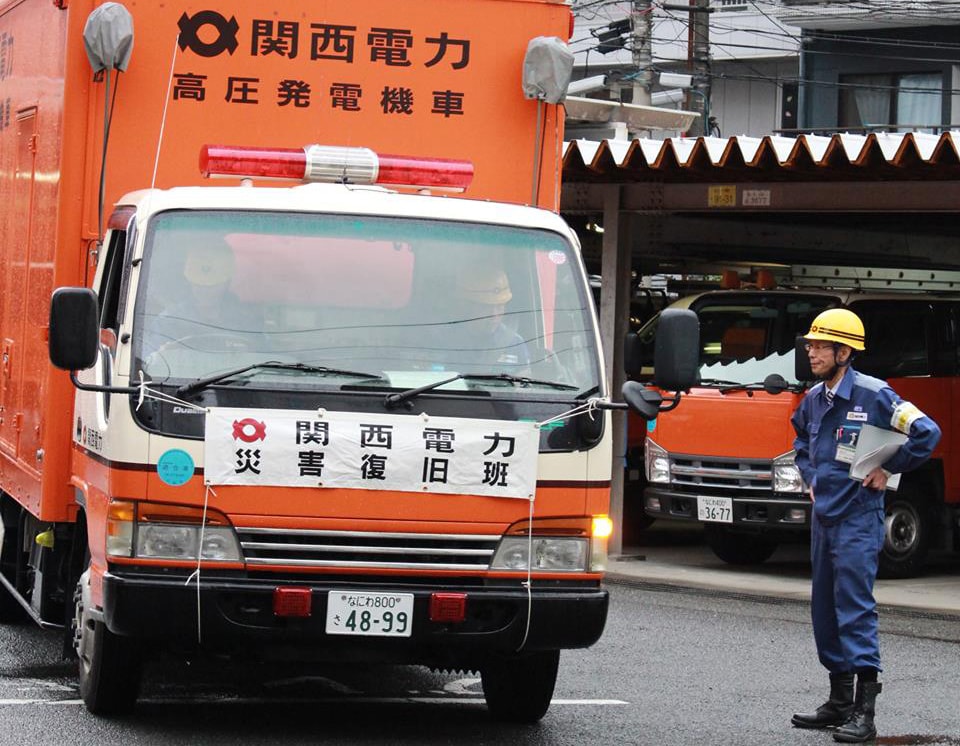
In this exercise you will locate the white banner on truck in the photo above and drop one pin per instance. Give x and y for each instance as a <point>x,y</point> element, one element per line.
<point>283,448</point>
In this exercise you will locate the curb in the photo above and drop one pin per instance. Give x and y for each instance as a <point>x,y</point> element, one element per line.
<point>665,585</point>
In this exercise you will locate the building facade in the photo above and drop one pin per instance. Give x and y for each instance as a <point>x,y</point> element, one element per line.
<point>877,65</point>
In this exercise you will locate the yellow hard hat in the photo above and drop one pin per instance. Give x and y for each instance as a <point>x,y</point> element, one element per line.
<point>211,264</point>
<point>485,285</point>
<point>838,325</point>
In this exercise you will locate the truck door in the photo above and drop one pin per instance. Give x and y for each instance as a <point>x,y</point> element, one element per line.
<point>14,378</point>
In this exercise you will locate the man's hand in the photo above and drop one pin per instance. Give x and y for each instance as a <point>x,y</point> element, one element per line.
<point>876,479</point>
<point>812,498</point>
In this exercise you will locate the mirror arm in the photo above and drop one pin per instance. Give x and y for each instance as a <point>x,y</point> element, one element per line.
<point>103,389</point>
<point>612,405</point>
<point>672,403</point>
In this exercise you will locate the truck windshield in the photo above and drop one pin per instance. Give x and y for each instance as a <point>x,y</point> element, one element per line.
<point>745,337</point>
<point>407,301</point>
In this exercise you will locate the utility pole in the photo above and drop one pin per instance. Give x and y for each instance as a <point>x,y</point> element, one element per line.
<point>699,59</point>
<point>641,17</point>
<point>698,56</point>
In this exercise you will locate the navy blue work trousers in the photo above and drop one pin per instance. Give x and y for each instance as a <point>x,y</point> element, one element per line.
<point>845,556</point>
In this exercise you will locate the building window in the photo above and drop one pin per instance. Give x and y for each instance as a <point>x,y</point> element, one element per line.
<point>903,102</point>
<point>731,4</point>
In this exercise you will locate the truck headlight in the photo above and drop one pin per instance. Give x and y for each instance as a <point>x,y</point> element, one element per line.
<point>786,475</point>
<point>657,462</point>
<point>162,531</point>
<point>163,541</point>
<point>559,544</point>
<point>550,554</point>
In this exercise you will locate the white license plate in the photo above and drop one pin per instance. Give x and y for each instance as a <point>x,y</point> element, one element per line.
<point>372,614</point>
<point>715,509</point>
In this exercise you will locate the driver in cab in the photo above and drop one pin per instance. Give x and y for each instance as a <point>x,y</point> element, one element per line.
<point>483,293</point>
<point>202,312</point>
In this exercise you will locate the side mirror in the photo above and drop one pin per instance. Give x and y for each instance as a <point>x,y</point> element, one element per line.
<point>801,362</point>
<point>645,402</point>
<point>677,350</point>
<point>74,338</point>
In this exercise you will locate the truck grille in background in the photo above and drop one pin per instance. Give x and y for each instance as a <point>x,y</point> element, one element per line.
<point>724,477</point>
<point>263,546</point>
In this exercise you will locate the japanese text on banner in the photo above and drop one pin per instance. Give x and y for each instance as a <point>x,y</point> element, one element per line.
<point>447,455</point>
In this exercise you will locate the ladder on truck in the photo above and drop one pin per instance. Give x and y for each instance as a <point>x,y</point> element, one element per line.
<point>867,278</point>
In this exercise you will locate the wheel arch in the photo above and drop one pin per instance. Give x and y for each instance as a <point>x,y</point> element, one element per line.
<point>929,482</point>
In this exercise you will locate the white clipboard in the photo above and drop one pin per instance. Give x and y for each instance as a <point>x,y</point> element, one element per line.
<point>875,447</point>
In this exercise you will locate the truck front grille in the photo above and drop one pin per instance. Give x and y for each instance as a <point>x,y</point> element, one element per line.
<point>725,477</point>
<point>398,551</point>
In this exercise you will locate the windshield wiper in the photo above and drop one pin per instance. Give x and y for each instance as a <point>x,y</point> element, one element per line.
<point>393,400</point>
<point>717,382</point>
<point>772,384</point>
<point>201,383</point>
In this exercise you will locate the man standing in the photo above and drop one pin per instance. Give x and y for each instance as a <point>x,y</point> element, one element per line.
<point>848,516</point>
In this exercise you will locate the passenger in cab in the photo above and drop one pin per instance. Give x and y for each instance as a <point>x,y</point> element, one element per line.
<point>488,342</point>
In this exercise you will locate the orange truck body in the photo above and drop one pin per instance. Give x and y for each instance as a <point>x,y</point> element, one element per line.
<point>173,101</point>
<point>437,80</point>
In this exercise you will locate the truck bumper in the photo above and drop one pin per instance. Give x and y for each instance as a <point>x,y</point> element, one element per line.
<point>239,613</point>
<point>757,512</point>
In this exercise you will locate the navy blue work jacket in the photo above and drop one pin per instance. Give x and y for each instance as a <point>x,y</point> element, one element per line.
<point>822,426</point>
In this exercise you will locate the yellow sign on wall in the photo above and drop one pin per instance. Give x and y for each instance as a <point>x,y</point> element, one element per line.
<point>722,195</point>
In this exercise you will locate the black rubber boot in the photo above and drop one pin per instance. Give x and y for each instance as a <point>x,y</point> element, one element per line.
<point>859,726</point>
<point>835,710</point>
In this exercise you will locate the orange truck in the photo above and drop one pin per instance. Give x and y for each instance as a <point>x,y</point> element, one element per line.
<point>725,459</point>
<point>322,417</point>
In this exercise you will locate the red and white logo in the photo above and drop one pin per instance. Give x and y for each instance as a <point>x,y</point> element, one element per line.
<point>249,430</point>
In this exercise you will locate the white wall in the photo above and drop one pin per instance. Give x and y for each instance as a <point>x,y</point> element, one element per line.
<point>750,107</point>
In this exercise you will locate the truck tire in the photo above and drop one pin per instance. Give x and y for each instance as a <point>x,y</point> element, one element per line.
<point>738,548</point>
<point>109,665</point>
<point>518,688</point>
<point>910,526</point>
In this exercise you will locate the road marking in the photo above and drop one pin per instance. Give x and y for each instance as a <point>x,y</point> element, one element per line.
<point>477,700</point>
<point>8,702</point>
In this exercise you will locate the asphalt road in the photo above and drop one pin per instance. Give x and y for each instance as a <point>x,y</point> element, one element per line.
<point>674,667</point>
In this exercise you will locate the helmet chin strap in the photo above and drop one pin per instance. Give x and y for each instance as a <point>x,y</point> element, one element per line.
<point>837,365</point>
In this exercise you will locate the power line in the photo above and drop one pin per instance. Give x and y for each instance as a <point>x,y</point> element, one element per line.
<point>770,18</point>
<point>835,84</point>
<point>845,39</point>
<point>784,33</point>
<point>833,53</point>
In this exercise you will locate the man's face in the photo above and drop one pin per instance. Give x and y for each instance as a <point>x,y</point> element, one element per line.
<point>823,359</point>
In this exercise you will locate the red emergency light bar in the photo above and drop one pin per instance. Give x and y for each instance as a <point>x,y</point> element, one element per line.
<point>333,164</point>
